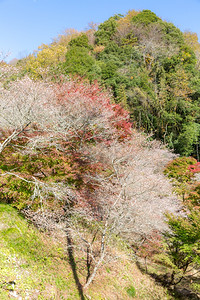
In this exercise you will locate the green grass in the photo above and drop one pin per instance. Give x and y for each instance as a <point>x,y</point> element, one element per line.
<point>38,266</point>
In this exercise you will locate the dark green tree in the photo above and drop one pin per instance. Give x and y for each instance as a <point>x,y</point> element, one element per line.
<point>106,30</point>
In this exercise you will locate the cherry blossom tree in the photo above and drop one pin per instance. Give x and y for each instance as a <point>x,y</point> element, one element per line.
<point>120,188</point>
<point>24,104</point>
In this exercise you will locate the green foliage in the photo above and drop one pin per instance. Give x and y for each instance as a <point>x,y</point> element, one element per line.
<point>131,291</point>
<point>185,59</point>
<point>196,287</point>
<point>163,258</point>
<point>16,191</point>
<point>50,167</point>
<point>172,34</point>
<point>183,239</point>
<point>178,169</point>
<point>158,84</point>
<point>78,61</point>
<point>106,31</point>
<point>187,138</point>
<point>108,70</point>
<point>129,39</point>
<point>80,41</point>
<point>145,17</point>
<point>121,96</point>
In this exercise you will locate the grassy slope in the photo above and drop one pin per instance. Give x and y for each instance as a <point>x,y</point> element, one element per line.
<point>40,268</point>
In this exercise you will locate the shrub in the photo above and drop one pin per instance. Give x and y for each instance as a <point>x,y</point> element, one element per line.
<point>131,291</point>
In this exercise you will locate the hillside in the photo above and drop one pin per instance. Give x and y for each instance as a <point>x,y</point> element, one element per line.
<point>41,269</point>
<point>99,171</point>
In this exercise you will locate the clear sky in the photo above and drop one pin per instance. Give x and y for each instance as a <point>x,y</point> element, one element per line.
<point>26,24</point>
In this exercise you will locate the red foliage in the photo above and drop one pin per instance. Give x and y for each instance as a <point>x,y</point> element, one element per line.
<point>121,120</point>
<point>195,168</point>
<point>91,102</point>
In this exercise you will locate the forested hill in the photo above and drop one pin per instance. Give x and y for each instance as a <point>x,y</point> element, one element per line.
<point>151,67</point>
<point>86,127</point>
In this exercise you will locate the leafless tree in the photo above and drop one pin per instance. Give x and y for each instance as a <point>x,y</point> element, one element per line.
<point>23,103</point>
<point>129,202</point>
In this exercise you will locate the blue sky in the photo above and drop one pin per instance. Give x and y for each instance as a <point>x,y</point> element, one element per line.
<point>26,24</point>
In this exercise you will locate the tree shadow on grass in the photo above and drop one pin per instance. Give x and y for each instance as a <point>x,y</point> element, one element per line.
<point>73,264</point>
<point>181,291</point>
